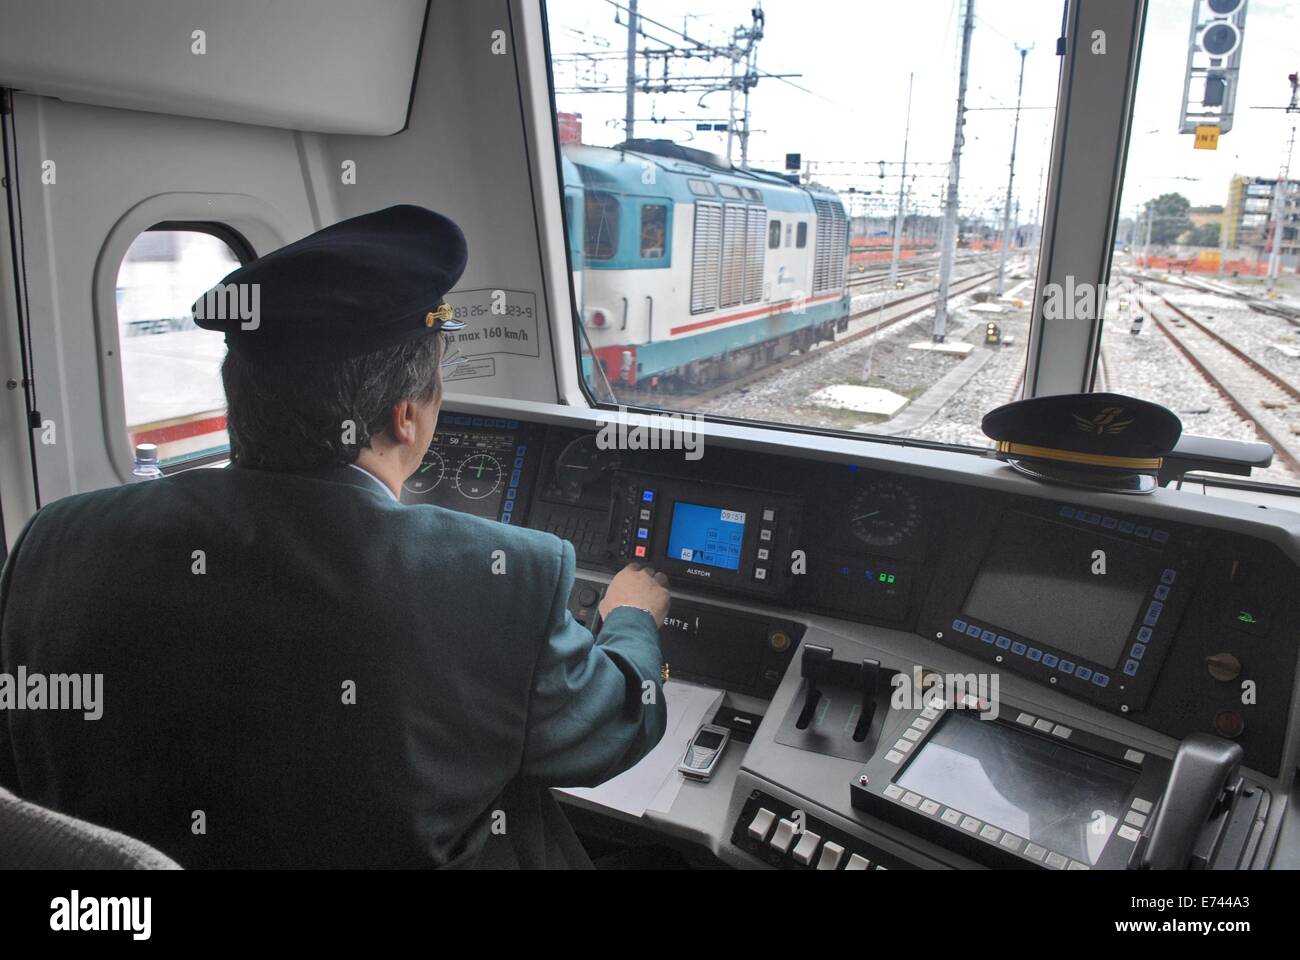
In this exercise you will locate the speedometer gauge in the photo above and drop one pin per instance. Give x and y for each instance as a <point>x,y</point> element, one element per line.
<point>478,476</point>
<point>884,513</point>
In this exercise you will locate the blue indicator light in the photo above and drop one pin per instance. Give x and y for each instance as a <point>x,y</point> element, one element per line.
<point>1168,575</point>
<point>1161,592</point>
<point>973,630</point>
<point>988,636</point>
<point>1109,523</point>
<point>1066,666</point>
<point>958,625</point>
<point>505,518</point>
<point>1130,668</point>
<point>1004,643</point>
<point>1126,526</point>
<point>514,478</point>
<point>1049,659</point>
<point>1083,673</point>
<point>1034,654</point>
<point>1153,613</point>
<point>1144,634</point>
<point>1018,649</point>
<point>1100,679</point>
<point>1138,652</point>
<point>648,496</point>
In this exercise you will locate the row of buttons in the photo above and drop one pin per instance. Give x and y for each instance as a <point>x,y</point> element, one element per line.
<point>805,844</point>
<point>1135,819</point>
<point>985,831</point>
<point>1154,609</point>
<point>1043,725</point>
<point>644,523</point>
<point>1050,660</point>
<point>766,535</point>
<point>1111,523</point>
<point>512,491</point>
<point>912,735</point>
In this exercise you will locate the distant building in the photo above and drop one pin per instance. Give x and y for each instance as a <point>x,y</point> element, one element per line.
<point>1249,212</point>
<point>1200,216</point>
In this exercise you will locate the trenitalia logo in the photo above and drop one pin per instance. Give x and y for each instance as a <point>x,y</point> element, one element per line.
<point>75,913</point>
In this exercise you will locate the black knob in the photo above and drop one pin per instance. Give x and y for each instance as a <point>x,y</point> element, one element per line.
<point>586,596</point>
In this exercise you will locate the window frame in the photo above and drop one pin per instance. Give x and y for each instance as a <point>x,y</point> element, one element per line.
<point>661,257</point>
<point>588,221</point>
<point>774,234</point>
<point>801,235</point>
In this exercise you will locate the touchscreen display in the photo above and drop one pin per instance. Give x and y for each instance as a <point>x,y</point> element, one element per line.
<point>708,536</point>
<point>1042,580</point>
<point>1037,788</point>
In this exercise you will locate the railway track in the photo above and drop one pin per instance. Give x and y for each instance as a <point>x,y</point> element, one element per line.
<point>688,400</point>
<point>1237,378</point>
<point>871,277</point>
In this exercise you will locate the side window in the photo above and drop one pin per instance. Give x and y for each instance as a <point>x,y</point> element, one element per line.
<point>601,222</point>
<point>801,240</point>
<point>654,230</point>
<point>774,235</point>
<point>171,370</point>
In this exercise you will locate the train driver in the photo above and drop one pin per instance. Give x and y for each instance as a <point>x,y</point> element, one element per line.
<point>297,669</point>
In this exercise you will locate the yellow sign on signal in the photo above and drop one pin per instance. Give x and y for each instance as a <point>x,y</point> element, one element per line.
<point>1207,138</point>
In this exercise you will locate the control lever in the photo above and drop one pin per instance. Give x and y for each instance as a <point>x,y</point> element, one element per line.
<point>820,668</point>
<point>1203,784</point>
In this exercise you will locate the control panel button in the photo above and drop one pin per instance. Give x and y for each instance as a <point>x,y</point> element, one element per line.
<point>893,756</point>
<point>929,807</point>
<point>970,824</point>
<point>1128,833</point>
<point>857,862</point>
<point>784,836</point>
<point>912,799</point>
<point>1141,806</point>
<point>951,816</point>
<point>768,514</point>
<point>1138,820</point>
<point>912,734</point>
<point>806,847</point>
<point>1229,723</point>
<point>893,791</point>
<point>1044,725</point>
<point>1026,719</point>
<point>903,746</point>
<point>1055,861</point>
<point>1076,865</point>
<point>990,832</point>
<point>832,854</point>
<point>1062,732</point>
<point>1034,852</point>
<point>1134,756</point>
<point>1011,841</point>
<point>761,825</point>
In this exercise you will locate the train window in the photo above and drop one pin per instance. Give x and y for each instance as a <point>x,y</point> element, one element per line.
<point>601,219</point>
<point>1203,310</point>
<point>171,380</point>
<point>654,230</point>
<point>829,324</point>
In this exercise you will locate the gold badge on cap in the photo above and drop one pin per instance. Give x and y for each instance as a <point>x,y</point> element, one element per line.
<point>442,313</point>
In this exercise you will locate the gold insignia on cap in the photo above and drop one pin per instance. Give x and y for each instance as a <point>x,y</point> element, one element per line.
<point>442,313</point>
<point>1104,422</point>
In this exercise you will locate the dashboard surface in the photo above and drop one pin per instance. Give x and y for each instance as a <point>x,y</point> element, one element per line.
<point>1126,627</point>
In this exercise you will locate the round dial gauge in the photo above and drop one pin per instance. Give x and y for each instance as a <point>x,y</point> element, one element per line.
<point>428,476</point>
<point>478,476</point>
<point>884,513</point>
<point>580,464</point>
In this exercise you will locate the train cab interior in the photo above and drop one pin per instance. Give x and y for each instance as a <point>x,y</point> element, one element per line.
<point>743,286</point>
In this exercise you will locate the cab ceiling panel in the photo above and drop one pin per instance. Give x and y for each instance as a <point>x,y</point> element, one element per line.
<point>331,66</point>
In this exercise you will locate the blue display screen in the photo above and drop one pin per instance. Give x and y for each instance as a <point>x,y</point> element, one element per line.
<point>709,536</point>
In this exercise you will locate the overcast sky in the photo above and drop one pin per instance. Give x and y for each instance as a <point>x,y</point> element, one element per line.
<point>848,110</point>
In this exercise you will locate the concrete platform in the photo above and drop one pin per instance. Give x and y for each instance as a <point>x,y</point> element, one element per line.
<point>847,396</point>
<point>959,348</point>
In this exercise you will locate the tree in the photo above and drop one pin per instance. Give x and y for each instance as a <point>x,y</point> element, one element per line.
<point>1203,235</point>
<point>1169,219</point>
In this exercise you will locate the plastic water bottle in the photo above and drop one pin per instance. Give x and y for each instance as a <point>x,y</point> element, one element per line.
<point>146,463</point>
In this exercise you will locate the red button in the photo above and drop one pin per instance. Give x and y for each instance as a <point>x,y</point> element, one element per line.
<point>1229,724</point>
<point>640,551</point>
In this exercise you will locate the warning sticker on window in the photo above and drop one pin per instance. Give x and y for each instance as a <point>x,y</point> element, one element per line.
<point>497,320</point>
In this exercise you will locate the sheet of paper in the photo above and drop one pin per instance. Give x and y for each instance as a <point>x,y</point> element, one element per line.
<point>653,783</point>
